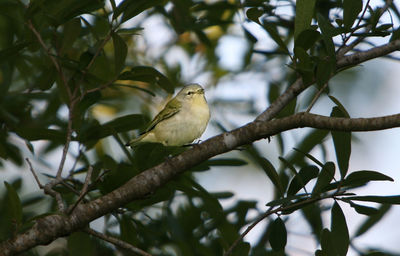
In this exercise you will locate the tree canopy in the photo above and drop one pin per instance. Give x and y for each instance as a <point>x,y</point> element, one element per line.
<point>81,78</point>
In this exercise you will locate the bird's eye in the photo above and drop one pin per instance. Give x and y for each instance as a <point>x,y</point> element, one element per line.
<point>189,93</point>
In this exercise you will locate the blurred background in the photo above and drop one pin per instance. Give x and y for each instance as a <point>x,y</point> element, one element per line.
<point>240,78</point>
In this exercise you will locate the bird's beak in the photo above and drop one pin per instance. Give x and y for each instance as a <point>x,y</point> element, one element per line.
<point>200,91</point>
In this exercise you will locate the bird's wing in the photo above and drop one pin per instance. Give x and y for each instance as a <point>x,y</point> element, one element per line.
<point>172,107</point>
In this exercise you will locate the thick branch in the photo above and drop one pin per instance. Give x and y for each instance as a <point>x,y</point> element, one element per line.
<point>48,228</point>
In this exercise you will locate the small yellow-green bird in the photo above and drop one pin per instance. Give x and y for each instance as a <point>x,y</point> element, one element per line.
<point>183,119</point>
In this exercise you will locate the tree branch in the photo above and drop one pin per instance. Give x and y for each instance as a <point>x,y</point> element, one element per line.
<point>350,60</point>
<point>48,228</point>
<point>117,242</point>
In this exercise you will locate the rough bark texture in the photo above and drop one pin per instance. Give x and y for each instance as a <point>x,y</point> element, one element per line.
<point>49,228</point>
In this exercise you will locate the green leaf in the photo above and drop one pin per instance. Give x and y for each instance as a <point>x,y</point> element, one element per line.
<point>340,106</point>
<point>365,210</point>
<point>120,124</point>
<point>327,245</point>
<point>149,75</point>
<point>271,172</point>
<point>9,53</point>
<point>80,244</point>
<point>267,166</point>
<point>358,178</point>
<point>324,178</point>
<point>286,200</point>
<point>120,52</point>
<point>342,143</point>
<point>340,232</point>
<point>351,9</point>
<point>204,166</point>
<point>129,31</point>
<point>325,70</point>
<point>305,174</point>
<point>131,8</point>
<point>372,220</point>
<point>273,32</point>
<point>312,139</point>
<point>128,232</point>
<point>312,213</point>
<point>254,14</point>
<point>278,236</point>
<point>307,38</point>
<point>309,156</point>
<point>14,206</point>
<point>328,31</point>
<point>72,30</point>
<point>376,199</point>
<point>304,14</point>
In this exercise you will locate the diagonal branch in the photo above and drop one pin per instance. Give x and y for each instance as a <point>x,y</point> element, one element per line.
<point>117,242</point>
<point>48,228</point>
<point>349,60</point>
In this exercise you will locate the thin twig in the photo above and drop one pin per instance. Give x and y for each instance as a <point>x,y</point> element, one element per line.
<point>316,97</point>
<point>52,58</point>
<point>277,210</point>
<point>117,242</point>
<point>352,32</point>
<point>84,189</point>
<point>359,39</point>
<point>34,173</point>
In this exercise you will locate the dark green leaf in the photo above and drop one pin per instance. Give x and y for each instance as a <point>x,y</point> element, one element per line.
<point>14,206</point>
<point>135,87</point>
<point>305,174</point>
<point>120,124</point>
<point>128,232</point>
<point>254,14</point>
<point>149,75</point>
<point>327,33</point>
<point>80,244</point>
<point>72,29</point>
<point>286,200</point>
<point>361,177</point>
<point>362,209</point>
<point>307,38</point>
<point>325,70</point>
<point>273,32</point>
<point>328,247</point>
<point>372,220</point>
<point>304,14</point>
<point>218,162</point>
<point>313,215</point>
<point>309,156</point>
<point>129,31</point>
<point>340,106</point>
<point>376,199</point>
<point>9,53</point>
<point>120,52</point>
<point>342,143</point>
<point>324,178</point>
<point>131,8</point>
<point>351,9</point>
<point>271,172</point>
<point>312,139</point>
<point>340,232</point>
<point>278,236</point>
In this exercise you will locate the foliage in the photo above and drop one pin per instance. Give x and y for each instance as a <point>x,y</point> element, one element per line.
<point>64,64</point>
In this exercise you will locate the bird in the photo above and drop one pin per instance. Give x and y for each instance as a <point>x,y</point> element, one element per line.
<point>183,119</point>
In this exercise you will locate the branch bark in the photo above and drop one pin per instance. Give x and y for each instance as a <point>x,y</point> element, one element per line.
<point>49,228</point>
